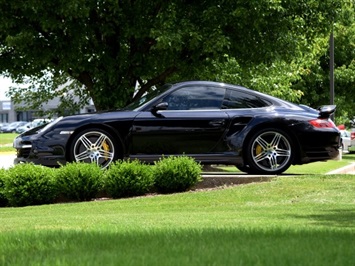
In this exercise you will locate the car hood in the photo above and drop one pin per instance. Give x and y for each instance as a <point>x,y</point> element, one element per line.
<point>101,117</point>
<point>71,122</point>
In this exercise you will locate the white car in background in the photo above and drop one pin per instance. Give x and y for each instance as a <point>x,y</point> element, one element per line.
<point>345,140</point>
<point>24,128</point>
<point>34,123</point>
<point>351,147</point>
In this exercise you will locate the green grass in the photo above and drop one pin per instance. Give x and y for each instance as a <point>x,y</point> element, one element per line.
<point>322,167</point>
<point>6,140</point>
<point>7,149</point>
<point>302,220</point>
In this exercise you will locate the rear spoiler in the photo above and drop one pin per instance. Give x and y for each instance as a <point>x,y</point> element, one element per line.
<point>325,111</point>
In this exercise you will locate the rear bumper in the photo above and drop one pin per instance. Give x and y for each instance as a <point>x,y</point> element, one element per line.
<point>318,144</point>
<point>321,154</point>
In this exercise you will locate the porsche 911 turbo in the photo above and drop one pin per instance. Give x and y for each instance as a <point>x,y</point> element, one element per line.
<point>214,123</point>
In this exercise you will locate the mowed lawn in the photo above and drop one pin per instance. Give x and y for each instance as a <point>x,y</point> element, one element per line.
<point>307,219</point>
<point>6,140</point>
<point>291,220</point>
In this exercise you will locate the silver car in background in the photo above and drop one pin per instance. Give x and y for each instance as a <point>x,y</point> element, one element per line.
<point>345,140</point>
<point>351,147</point>
<point>34,123</point>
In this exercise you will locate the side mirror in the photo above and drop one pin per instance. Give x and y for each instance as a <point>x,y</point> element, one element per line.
<point>159,107</point>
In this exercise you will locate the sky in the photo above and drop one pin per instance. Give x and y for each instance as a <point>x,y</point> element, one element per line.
<point>5,83</point>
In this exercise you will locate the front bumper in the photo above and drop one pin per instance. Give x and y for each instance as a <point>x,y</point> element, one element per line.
<point>42,151</point>
<point>50,161</point>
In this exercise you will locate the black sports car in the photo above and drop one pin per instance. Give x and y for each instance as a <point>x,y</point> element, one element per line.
<point>215,123</point>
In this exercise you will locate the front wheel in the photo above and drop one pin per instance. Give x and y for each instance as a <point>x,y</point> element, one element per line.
<point>94,146</point>
<point>244,168</point>
<point>269,151</point>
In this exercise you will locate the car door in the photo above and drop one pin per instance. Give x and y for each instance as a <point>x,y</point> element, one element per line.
<point>192,123</point>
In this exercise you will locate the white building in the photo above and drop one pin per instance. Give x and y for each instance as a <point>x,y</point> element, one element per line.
<point>9,112</point>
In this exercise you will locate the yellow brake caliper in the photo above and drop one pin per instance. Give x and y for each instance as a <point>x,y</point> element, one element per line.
<point>258,149</point>
<point>106,148</point>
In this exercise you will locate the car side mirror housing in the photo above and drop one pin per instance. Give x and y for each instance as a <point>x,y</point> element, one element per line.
<point>159,107</point>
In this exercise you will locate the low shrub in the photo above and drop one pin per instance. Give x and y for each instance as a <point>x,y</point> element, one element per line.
<point>3,199</point>
<point>176,174</point>
<point>79,181</point>
<point>28,184</point>
<point>128,178</point>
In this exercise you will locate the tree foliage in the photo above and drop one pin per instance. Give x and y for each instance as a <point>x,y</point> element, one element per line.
<point>108,46</point>
<point>314,81</point>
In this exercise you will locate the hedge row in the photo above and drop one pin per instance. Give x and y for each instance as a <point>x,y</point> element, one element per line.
<point>29,184</point>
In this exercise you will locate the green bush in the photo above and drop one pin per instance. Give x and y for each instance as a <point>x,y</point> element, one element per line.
<point>3,199</point>
<point>128,178</point>
<point>79,181</point>
<point>28,184</point>
<point>176,174</point>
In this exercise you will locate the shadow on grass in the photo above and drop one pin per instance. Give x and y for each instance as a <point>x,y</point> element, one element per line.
<point>205,246</point>
<point>344,218</point>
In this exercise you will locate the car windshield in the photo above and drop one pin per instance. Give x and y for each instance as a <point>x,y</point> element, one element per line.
<point>146,98</point>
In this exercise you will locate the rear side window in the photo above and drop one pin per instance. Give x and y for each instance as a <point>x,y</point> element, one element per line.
<point>237,99</point>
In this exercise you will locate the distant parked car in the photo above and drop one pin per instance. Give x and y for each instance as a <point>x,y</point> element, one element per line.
<point>345,140</point>
<point>11,128</point>
<point>3,125</point>
<point>24,128</point>
<point>351,147</point>
<point>41,121</point>
<point>34,123</point>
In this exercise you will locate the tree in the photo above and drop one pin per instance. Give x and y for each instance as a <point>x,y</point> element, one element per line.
<point>314,81</point>
<point>109,45</point>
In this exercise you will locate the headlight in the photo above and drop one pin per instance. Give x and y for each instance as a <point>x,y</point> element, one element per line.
<point>49,125</point>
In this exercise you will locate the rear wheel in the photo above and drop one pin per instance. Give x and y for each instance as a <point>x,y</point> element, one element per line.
<point>269,151</point>
<point>94,146</point>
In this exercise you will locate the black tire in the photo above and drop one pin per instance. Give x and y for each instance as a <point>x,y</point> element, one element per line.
<point>244,168</point>
<point>269,151</point>
<point>341,145</point>
<point>94,146</point>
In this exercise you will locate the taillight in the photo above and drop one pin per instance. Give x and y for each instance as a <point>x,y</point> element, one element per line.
<point>322,123</point>
<point>352,136</point>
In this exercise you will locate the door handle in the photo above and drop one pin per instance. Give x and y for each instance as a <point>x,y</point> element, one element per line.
<point>217,123</point>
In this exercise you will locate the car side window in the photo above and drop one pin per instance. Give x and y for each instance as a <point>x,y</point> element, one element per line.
<point>195,98</point>
<point>237,99</point>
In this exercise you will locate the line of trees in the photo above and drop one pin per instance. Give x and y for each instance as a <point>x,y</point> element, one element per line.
<point>103,49</point>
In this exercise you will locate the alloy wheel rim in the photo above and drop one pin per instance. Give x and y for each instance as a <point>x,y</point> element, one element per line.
<point>94,147</point>
<point>271,151</point>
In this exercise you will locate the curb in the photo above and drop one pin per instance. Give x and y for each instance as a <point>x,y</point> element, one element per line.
<point>349,169</point>
<point>220,179</point>
<point>213,180</point>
